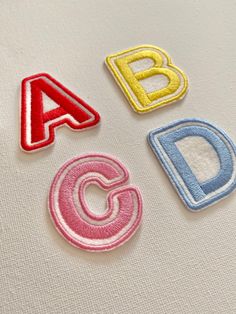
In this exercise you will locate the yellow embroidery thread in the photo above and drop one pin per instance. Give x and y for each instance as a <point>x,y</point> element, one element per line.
<point>141,100</point>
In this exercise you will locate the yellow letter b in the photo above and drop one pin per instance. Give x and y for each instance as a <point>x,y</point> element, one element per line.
<point>138,70</point>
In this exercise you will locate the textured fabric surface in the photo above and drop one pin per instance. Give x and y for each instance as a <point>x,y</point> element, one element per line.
<point>200,156</point>
<point>178,261</point>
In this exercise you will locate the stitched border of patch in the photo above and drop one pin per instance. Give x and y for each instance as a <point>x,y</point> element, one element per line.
<point>134,92</point>
<point>196,196</point>
<point>37,126</point>
<point>71,215</point>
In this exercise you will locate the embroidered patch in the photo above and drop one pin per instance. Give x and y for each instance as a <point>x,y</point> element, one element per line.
<point>38,121</point>
<point>199,158</point>
<point>70,212</point>
<point>147,77</point>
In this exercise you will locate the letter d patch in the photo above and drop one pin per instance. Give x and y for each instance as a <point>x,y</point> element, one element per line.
<point>199,158</point>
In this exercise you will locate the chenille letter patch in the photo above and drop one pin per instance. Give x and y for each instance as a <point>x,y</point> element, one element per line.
<point>199,158</point>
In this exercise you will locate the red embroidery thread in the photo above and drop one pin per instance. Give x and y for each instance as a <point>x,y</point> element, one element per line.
<point>37,125</point>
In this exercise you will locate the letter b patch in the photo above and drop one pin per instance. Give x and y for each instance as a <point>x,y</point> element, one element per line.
<point>147,77</point>
<point>199,158</point>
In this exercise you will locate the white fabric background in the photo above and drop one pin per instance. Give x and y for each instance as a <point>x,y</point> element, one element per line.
<point>178,262</point>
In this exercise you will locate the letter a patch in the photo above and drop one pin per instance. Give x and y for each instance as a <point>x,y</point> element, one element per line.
<point>45,105</point>
<point>199,158</point>
<point>147,77</point>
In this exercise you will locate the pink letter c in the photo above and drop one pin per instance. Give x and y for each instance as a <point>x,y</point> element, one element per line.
<point>71,215</point>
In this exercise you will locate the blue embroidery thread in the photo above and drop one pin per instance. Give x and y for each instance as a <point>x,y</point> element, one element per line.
<point>195,195</point>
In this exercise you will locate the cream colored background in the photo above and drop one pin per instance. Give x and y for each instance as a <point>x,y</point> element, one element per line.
<point>178,262</point>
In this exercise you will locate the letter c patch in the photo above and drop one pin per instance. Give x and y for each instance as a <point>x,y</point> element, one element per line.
<point>70,212</point>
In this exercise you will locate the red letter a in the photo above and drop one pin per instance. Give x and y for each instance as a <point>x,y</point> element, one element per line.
<point>38,123</point>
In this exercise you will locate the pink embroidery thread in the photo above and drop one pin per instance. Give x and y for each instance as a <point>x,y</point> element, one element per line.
<point>70,212</point>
